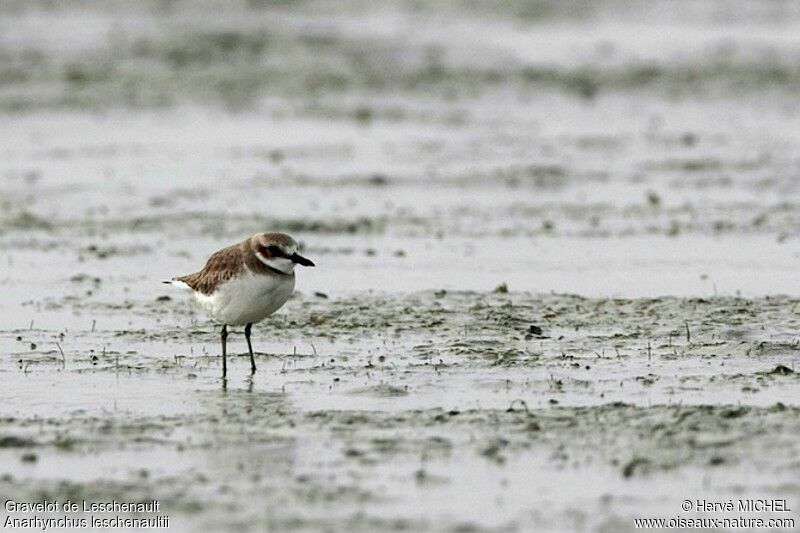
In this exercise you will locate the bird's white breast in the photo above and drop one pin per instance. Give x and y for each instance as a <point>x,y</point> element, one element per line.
<point>246,299</point>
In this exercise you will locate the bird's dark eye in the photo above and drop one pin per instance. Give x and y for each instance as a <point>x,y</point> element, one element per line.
<point>274,251</point>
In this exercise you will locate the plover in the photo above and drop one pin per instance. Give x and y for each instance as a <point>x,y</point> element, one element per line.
<point>245,283</point>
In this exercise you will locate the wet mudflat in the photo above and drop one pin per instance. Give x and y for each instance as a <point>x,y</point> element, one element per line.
<point>556,283</point>
<point>433,410</point>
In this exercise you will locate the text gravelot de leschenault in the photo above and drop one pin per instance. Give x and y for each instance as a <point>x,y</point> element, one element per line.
<point>95,510</point>
<point>113,506</point>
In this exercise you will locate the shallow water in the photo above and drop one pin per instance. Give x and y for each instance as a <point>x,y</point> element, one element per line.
<point>421,410</point>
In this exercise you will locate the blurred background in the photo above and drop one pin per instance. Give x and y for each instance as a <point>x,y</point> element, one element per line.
<point>596,147</point>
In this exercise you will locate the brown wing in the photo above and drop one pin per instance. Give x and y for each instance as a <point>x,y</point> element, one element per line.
<point>221,266</point>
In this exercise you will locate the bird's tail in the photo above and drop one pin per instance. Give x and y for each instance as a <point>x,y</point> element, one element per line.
<point>177,283</point>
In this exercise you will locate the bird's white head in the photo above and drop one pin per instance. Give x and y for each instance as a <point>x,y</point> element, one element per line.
<point>278,251</point>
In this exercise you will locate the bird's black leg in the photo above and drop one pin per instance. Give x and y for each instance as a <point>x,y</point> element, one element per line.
<point>250,348</point>
<point>224,336</point>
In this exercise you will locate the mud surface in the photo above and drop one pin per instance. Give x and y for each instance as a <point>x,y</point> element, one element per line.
<point>556,260</point>
<point>433,410</point>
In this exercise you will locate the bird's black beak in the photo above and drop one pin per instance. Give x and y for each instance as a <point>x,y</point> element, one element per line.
<point>300,260</point>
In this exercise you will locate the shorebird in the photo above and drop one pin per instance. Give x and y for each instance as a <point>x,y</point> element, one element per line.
<point>245,283</point>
